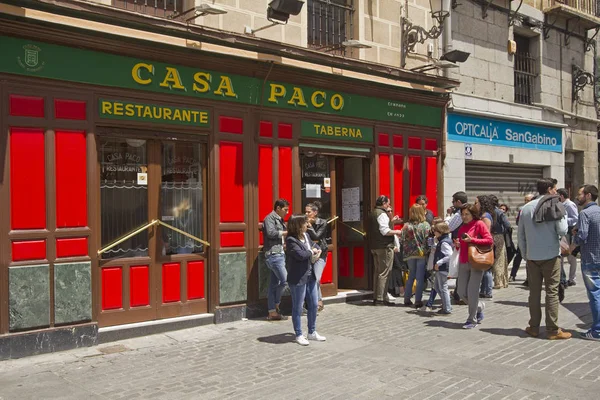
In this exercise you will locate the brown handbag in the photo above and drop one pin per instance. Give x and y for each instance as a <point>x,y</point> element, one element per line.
<point>481,257</point>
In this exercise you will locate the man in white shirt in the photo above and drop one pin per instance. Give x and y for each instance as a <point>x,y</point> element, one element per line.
<point>572,217</point>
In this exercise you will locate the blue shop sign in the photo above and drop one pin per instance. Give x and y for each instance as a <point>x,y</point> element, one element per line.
<point>495,132</point>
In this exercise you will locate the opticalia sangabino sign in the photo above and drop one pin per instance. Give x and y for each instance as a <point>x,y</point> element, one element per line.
<point>471,129</point>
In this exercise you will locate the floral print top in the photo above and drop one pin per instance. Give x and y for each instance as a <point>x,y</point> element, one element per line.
<point>414,240</point>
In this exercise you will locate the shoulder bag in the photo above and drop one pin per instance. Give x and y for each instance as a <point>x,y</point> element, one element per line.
<point>481,257</point>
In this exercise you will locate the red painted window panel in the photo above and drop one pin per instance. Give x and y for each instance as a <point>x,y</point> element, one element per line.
<point>327,276</point>
<point>414,143</point>
<point>231,125</point>
<point>69,109</point>
<point>384,174</point>
<point>232,239</point>
<point>27,179</point>
<point>398,184</point>
<point>260,238</point>
<point>266,129</point>
<point>416,174</point>
<point>112,288</point>
<point>285,175</point>
<point>171,282</point>
<point>26,106</point>
<point>232,182</point>
<point>29,250</point>
<point>139,286</point>
<point>195,280</point>
<point>431,184</point>
<point>71,247</point>
<point>71,179</point>
<point>344,261</point>
<point>431,144</point>
<point>398,141</point>
<point>285,131</point>
<point>358,254</point>
<point>384,139</point>
<point>265,181</point>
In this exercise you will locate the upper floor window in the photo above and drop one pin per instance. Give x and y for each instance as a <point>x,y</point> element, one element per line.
<point>330,23</point>
<point>525,71</point>
<point>157,8</point>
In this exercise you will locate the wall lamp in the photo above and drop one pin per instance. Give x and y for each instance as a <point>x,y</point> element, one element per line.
<point>580,79</point>
<point>199,11</point>
<point>413,34</point>
<point>278,13</point>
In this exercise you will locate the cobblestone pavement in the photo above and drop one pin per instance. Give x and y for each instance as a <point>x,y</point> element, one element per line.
<point>371,352</point>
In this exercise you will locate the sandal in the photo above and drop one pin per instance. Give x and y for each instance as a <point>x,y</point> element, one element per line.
<point>321,306</point>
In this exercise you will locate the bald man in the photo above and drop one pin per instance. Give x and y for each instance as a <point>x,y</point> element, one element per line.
<point>518,257</point>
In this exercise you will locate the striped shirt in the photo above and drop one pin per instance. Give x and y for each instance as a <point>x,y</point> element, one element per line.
<point>588,234</point>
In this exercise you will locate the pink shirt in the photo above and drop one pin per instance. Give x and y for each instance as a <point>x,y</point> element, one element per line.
<point>480,235</point>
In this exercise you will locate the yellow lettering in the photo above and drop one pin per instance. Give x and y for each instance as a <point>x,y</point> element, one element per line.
<point>359,133</point>
<point>344,131</point>
<point>338,131</point>
<point>157,115</point>
<point>186,115</point>
<point>330,130</point>
<point>225,87</point>
<point>352,132</point>
<point>167,114</point>
<point>118,108</point>
<point>323,130</point>
<point>337,102</point>
<point>106,107</point>
<point>204,118</point>
<point>137,75</point>
<point>129,111</point>
<point>297,98</point>
<point>172,79</point>
<point>147,112</point>
<point>316,128</point>
<point>276,91</point>
<point>313,99</point>
<point>201,82</point>
<point>177,115</point>
<point>139,109</point>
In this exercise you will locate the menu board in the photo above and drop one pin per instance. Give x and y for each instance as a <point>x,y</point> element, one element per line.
<point>351,204</point>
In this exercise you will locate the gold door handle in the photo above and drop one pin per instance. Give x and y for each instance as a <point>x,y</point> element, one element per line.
<point>128,236</point>
<point>183,233</point>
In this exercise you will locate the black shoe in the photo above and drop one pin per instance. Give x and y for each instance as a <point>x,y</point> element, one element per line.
<point>571,283</point>
<point>408,303</point>
<point>561,292</point>
<point>418,305</point>
<point>512,279</point>
<point>488,296</point>
<point>525,283</point>
<point>481,295</point>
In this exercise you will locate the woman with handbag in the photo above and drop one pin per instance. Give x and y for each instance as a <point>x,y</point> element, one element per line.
<point>476,255</point>
<point>301,254</point>
<point>317,231</point>
<point>414,245</point>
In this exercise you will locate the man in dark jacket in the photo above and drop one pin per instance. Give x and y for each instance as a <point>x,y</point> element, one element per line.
<point>423,201</point>
<point>274,232</point>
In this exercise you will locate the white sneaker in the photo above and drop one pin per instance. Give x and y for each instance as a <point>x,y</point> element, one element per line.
<point>301,340</point>
<point>390,298</point>
<point>316,336</point>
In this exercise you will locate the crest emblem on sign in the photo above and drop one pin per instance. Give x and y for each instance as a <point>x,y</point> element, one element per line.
<point>30,60</point>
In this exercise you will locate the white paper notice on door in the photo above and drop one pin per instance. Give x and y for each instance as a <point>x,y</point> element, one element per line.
<point>351,204</point>
<point>313,191</point>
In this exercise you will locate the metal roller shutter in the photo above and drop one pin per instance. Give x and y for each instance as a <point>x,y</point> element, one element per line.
<point>510,183</point>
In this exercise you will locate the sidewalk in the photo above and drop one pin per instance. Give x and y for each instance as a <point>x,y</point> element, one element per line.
<point>370,353</point>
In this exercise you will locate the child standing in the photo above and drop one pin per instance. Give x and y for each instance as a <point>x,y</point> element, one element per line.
<point>443,251</point>
<point>431,245</point>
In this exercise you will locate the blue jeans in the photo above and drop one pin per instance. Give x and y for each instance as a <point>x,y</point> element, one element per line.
<point>299,293</point>
<point>591,279</point>
<point>416,270</point>
<point>487,283</point>
<point>277,279</point>
<point>319,267</point>
<point>441,286</point>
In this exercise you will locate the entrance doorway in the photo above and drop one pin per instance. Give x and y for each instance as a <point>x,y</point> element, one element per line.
<point>152,228</point>
<point>341,184</point>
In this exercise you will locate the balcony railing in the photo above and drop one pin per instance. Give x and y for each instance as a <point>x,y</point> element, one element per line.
<point>157,8</point>
<point>525,78</point>
<point>585,6</point>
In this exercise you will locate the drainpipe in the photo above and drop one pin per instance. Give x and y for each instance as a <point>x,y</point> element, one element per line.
<point>447,32</point>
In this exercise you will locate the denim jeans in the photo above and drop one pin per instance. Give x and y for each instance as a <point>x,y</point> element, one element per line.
<point>441,286</point>
<point>487,283</point>
<point>277,279</point>
<point>416,270</point>
<point>319,267</point>
<point>299,293</point>
<point>591,279</point>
